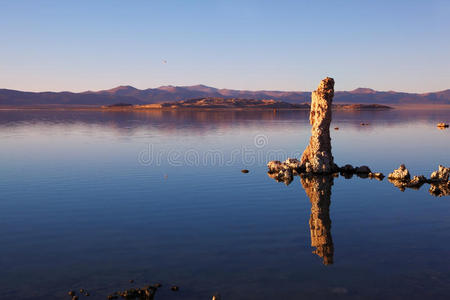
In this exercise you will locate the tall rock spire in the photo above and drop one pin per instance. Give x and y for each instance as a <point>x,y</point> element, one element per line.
<point>317,157</point>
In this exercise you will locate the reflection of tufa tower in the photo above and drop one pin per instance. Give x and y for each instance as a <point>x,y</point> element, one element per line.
<point>318,189</point>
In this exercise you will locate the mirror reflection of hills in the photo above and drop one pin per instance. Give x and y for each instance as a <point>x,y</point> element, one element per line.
<point>318,190</point>
<point>199,121</point>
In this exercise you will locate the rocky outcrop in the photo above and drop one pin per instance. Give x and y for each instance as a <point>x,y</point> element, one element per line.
<point>318,190</point>
<point>440,186</point>
<point>441,175</point>
<point>294,164</point>
<point>284,171</point>
<point>317,157</point>
<point>401,174</point>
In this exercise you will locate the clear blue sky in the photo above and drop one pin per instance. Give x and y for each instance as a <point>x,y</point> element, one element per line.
<point>283,45</point>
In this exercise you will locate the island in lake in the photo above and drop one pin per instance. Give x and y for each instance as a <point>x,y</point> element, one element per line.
<point>238,103</point>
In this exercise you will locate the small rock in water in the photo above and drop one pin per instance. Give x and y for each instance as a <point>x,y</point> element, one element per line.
<point>244,171</point>
<point>401,174</point>
<point>82,291</point>
<point>364,124</point>
<point>131,280</point>
<point>363,169</point>
<point>75,298</point>
<point>336,128</point>
<point>378,176</point>
<point>347,169</point>
<point>442,125</point>
<point>157,285</point>
<point>71,293</point>
<point>174,288</point>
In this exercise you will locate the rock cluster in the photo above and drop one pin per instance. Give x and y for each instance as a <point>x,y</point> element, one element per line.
<point>317,157</point>
<point>284,171</point>
<point>363,171</point>
<point>439,183</point>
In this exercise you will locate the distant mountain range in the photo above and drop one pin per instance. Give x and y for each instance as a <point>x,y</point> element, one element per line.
<point>129,94</point>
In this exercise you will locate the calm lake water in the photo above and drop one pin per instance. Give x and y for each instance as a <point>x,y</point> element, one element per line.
<point>92,199</point>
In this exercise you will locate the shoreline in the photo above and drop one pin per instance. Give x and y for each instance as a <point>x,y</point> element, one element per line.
<point>135,109</point>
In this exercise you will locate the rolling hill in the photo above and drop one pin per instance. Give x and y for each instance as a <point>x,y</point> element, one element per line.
<point>129,94</point>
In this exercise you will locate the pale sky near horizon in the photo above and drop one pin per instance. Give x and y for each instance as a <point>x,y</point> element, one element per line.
<point>271,45</point>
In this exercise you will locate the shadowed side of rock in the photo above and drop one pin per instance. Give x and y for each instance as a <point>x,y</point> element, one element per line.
<point>318,190</point>
<point>317,157</point>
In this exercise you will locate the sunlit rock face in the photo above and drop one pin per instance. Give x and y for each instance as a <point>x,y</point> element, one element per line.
<point>318,189</point>
<point>401,174</point>
<point>440,185</point>
<point>317,157</point>
<point>442,174</point>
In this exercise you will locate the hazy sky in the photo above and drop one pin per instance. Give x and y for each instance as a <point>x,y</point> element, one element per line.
<point>283,45</point>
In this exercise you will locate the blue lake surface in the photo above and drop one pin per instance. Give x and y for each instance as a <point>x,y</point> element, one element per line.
<point>92,199</point>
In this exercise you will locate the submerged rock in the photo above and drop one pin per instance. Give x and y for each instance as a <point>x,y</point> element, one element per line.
<point>317,157</point>
<point>401,174</point>
<point>441,175</point>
